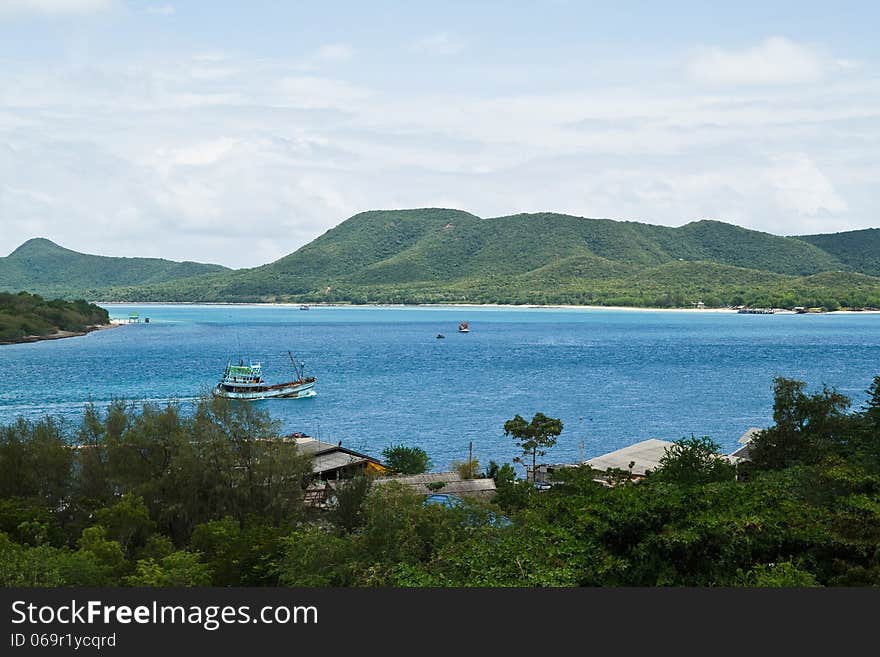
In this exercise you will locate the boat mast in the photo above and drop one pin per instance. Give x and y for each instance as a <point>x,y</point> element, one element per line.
<point>300,374</point>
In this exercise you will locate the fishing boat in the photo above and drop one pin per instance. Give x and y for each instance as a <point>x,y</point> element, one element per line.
<point>463,327</point>
<point>246,382</point>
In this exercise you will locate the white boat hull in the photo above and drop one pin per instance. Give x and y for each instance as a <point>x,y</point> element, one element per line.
<point>282,391</point>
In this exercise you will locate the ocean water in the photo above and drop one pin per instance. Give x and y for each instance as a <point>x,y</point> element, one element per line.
<point>614,377</point>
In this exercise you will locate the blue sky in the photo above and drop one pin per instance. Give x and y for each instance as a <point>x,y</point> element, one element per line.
<point>235,132</point>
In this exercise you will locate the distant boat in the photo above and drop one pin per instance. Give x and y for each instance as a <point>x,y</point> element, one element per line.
<point>440,336</point>
<point>304,307</point>
<point>245,382</point>
<point>463,327</point>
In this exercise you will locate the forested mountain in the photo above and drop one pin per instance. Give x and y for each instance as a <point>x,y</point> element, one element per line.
<point>438,255</point>
<point>42,267</point>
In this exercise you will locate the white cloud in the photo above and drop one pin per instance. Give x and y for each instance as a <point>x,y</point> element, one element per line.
<point>802,189</point>
<point>334,52</point>
<point>221,157</point>
<point>440,43</point>
<point>55,6</point>
<point>317,92</point>
<point>775,61</point>
<point>204,153</point>
<point>161,10</point>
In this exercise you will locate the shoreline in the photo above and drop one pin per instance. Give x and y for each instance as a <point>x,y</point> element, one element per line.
<point>60,335</point>
<point>524,306</point>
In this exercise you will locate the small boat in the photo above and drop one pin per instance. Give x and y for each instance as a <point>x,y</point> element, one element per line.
<point>440,336</point>
<point>304,307</point>
<point>245,382</point>
<point>463,327</point>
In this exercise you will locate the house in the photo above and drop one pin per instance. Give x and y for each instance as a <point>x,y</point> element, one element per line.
<point>333,461</point>
<point>447,483</point>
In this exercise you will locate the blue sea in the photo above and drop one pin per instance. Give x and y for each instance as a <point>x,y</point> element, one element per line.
<point>614,377</point>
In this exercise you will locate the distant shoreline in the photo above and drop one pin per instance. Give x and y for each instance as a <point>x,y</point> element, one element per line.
<point>460,305</point>
<point>60,335</point>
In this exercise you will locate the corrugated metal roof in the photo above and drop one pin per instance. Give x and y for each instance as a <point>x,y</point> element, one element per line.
<point>425,478</point>
<point>309,445</point>
<point>333,460</point>
<point>645,456</point>
<point>453,484</point>
<point>329,456</point>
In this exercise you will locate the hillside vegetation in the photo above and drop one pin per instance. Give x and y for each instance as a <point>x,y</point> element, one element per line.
<point>858,249</point>
<point>23,315</point>
<point>42,267</point>
<point>439,255</point>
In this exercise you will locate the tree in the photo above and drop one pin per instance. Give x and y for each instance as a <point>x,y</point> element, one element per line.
<point>401,459</point>
<point>694,461</point>
<point>348,512</point>
<point>807,428</point>
<point>179,568</point>
<point>127,521</point>
<point>872,409</point>
<point>467,469</point>
<point>533,437</point>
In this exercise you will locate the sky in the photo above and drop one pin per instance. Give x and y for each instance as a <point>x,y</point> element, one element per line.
<point>235,132</point>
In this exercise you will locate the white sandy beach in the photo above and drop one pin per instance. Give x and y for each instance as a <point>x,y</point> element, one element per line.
<point>287,304</point>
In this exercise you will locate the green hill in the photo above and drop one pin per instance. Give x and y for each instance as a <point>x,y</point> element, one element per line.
<point>41,266</point>
<point>25,316</point>
<point>436,255</point>
<point>443,255</point>
<point>859,250</point>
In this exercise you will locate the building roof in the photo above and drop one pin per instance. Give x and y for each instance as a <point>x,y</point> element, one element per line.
<point>645,456</point>
<point>744,452</point>
<point>334,460</point>
<point>309,445</point>
<point>327,457</point>
<point>750,433</point>
<point>453,484</point>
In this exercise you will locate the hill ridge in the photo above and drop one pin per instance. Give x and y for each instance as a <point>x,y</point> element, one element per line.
<point>445,254</point>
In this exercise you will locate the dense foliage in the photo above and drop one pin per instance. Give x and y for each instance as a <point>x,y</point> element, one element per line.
<point>437,256</point>
<point>147,497</point>
<point>26,314</point>
<point>406,460</point>
<point>150,497</point>
<point>858,249</point>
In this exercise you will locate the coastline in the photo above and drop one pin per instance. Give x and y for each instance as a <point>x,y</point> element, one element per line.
<point>524,306</point>
<point>60,335</point>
